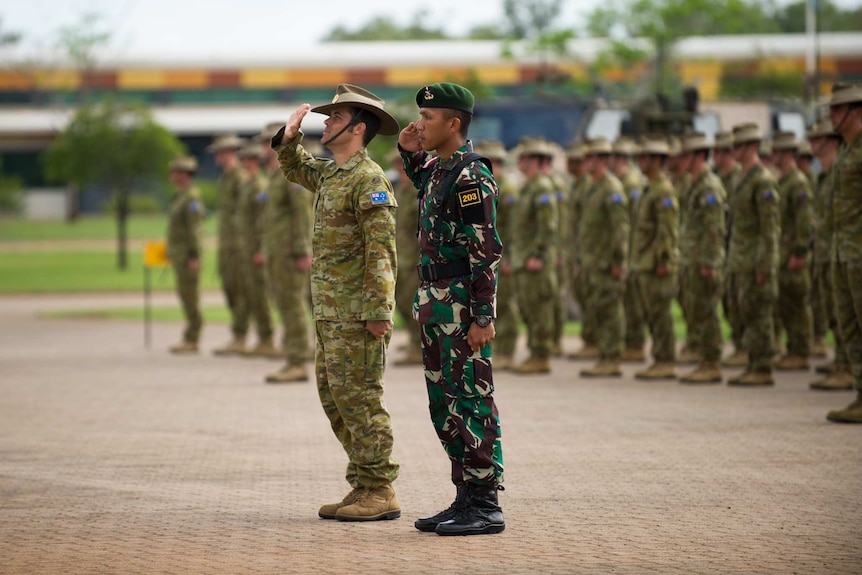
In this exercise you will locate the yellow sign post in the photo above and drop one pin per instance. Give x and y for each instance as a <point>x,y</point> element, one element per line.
<point>155,256</point>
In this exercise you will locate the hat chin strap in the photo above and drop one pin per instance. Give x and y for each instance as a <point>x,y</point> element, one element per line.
<point>353,121</point>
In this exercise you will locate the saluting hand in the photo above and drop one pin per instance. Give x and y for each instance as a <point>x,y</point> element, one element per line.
<point>291,128</point>
<point>408,139</point>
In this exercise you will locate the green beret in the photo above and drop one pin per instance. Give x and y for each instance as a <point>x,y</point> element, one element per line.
<point>445,95</point>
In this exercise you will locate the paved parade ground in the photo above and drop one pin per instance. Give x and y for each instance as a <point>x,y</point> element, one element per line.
<point>119,459</point>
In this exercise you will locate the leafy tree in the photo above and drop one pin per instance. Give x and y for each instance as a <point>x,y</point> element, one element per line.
<point>8,38</point>
<point>830,18</point>
<point>530,19</point>
<point>10,192</point>
<point>117,145</point>
<point>383,28</point>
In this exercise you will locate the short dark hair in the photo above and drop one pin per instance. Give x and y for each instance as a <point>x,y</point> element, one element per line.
<point>465,118</point>
<point>705,153</point>
<point>372,124</point>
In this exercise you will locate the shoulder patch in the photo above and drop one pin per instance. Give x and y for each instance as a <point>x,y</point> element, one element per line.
<point>469,197</point>
<point>667,203</point>
<point>560,195</point>
<point>545,199</point>
<point>379,198</point>
<point>769,195</point>
<point>710,200</point>
<point>802,195</point>
<point>194,206</point>
<point>261,196</point>
<point>616,199</point>
<point>636,194</point>
<point>511,199</point>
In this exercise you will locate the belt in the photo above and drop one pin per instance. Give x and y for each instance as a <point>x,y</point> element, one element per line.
<point>433,272</point>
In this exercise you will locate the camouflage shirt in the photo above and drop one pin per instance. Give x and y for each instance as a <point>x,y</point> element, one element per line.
<point>633,184</point>
<point>229,185</point>
<point>580,189</point>
<point>604,226</point>
<point>288,217</point>
<point>506,207</point>
<point>754,210</point>
<point>467,230</point>
<point>703,232</point>
<point>406,225</point>
<point>730,179</point>
<point>250,214</point>
<point>184,225</point>
<point>797,215</point>
<point>656,229</point>
<point>847,204</point>
<point>823,216</point>
<point>536,223</point>
<point>562,191</point>
<point>354,263</point>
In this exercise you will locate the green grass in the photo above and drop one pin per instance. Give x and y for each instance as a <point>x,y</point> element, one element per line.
<point>89,228</point>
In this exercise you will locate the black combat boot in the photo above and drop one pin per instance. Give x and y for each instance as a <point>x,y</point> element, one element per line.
<point>429,524</point>
<point>482,515</point>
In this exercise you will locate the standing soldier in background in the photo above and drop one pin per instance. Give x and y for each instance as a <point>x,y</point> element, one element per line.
<point>581,184</point>
<point>753,255</point>
<point>623,167</point>
<point>604,243</point>
<point>655,258</point>
<point>251,221</point>
<point>819,314</point>
<point>797,231</point>
<point>288,258</point>
<point>184,247</point>
<point>845,111</point>
<point>825,142</point>
<point>230,265</point>
<point>702,255</point>
<point>564,249</point>
<point>508,316</point>
<point>534,256</point>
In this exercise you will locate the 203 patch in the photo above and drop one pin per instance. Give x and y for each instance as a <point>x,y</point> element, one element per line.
<point>472,208</point>
<point>469,197</point>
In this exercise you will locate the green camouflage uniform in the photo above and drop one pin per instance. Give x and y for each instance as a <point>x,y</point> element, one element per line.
<point>251,222</point>
<point>230,264</point>
<point>702,245</point>
<point>288,237</point>
<point>847,253</point>
<point>408,256</point>
<point>730,181</point>
<point>603,240</point>
<point>633,183</point>
<point>656,244</point>
<point>580,191</point>
<point>184,244</point>
<point>564,256</point>
<point>536,221</point>
<point>794,286</point>
<point>352,281</point>
<point>459,381</point>
<point>508,316</point>
<point>754,209</point>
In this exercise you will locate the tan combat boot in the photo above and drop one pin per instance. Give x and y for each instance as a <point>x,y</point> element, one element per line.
<point>329,510</point>
<point>185,348</point>
<point>503,362</point>
<point>753,379</point>
<point>826,368</point>
<point>688,355</point>
<point>850,414</point>
<point>372,505</point>
<point>533,365</point>
<point>586,352</point>
<point>558,350</point>
<point>265,348</point>
<point>236,347</point>
<point>792,363</point>
<point>657,371</point>
<point>838,380</point>
<point>604,368</point>
<point>290,372</point>
<point>706,372</point>
<point>633,355</point>
<point>819,349</point>
<point>739,358</point>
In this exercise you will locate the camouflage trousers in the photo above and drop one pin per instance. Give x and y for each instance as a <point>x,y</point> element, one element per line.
<point>537,293</point>
<point>257,297</point>
<point>604,310</point>
<point>406,286</point>
<point>561,307</point>
<point>231,270</point>
<point>461,401</point>
<point>794,289</point>
<point>820,315</point>
<point>686,297</point>
<point>290,287</point>
<point>847,285</point>
<point>823,275</point>
<point>755,303</point>
<point>634,314</point>
<point>731,310</point>
<point>349,365</point>
<point>702,297</point>
<point>188,289</point>
<point>580,287</point>
<point>656,296</point>
<point>508,317</point>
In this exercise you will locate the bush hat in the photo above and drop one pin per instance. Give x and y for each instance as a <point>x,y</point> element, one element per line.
<point>356,97</point>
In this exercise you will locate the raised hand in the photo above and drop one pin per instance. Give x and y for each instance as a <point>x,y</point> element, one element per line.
<point>408,139</point>
<point>291,128</point>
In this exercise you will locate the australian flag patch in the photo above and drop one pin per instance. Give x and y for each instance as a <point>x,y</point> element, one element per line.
<point>378,198</point>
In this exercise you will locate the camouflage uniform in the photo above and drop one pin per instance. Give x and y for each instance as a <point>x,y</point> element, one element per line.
<point>580,191</point>
<point>507,310</point>
<point>562,192</point>
<point>288,237</point>
<point>251,221</point>
<point>352,281</point>
<point>633,183</point>
<point>656,244</point>
<point>730,181</point>
<point>184,244</point>
<point>230,264</point>
<point>536,221</point>
<point>459,381</point>
<point>408,256</point>
<point>754,210</point>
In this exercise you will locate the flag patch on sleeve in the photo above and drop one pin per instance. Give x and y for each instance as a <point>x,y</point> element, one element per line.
<point>378,198</point>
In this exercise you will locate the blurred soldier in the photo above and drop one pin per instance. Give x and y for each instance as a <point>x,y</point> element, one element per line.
<point>508,317</point>
<point>655,258</point>
<point>804,159</point>
<point>581,184</point>
<point>633,184</point>
<point>251,221</point>
<point>288,260</point>
<point>702,254</point>
<point>797,231</point>
<point>230,265</point>
<point>534,254</point>
<point>562,190</point>
<point>845,111</point>
<point>678,175</point>
<point>753,255</point>
<point>825,142</point>
<point>604,243</point>
<point>352,289</point>
<point>406,224</point>
<point>767,158</point>
<point>726,167</point>
<point>184,247</point>
<point>680,178</point>
<point>819,315</point>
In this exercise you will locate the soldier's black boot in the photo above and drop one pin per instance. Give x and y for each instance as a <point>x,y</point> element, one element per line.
<point>429,524</point>
<point>482,515</point>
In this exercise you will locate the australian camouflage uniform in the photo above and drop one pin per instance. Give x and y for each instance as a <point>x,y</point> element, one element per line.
<point>250,224</point>
<point>580,191</point>
<point>507,309</point>
<point>408,257</point>
<point>562,192</point>
<point>184,245</point>
<point>230,263</point>
<point>633,184</point>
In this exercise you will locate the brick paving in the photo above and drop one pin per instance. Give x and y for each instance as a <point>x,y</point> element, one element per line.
<point>115,459</point>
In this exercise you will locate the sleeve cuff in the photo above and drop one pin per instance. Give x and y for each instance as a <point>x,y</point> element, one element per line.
<point>481,308</point>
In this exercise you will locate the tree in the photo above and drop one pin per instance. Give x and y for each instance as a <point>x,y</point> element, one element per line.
<point>530,19</point>
<point>117,145</point>
<point>383,28</point>
<point>80,43</point>
<point>831,18</point>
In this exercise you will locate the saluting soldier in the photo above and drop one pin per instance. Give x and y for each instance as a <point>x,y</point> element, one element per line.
<point>184,247</point>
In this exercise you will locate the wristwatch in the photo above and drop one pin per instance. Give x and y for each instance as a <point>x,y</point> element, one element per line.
<point>483,320</point>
